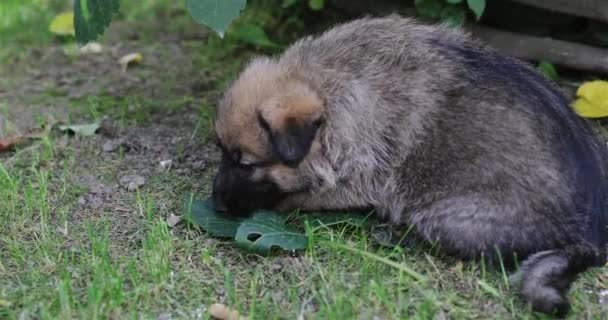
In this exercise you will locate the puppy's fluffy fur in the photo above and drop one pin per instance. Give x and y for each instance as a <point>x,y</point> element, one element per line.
<point>476,150</point>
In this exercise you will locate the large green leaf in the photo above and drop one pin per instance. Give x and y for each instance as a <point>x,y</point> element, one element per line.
<point>92,17</point>
<point>267,230</point>
<point>215,14</point>
<point>203,214</point>
<point>260,233</point>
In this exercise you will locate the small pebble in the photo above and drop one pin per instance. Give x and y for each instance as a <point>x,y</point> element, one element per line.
<point>132,182</point>
<point>173,220</point>
<point>166,164</point>
<point>164,316</point>
<point>198,312</point>
<point>222,312</point>
<point>110,146</point>
<point>603,299</point>
<point>92,47</point>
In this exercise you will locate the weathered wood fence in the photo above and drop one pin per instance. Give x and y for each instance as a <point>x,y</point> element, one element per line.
<point>570,54</point>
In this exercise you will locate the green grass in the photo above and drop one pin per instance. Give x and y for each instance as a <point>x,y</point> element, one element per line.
<point>69,253</point>
<point>57,264</point>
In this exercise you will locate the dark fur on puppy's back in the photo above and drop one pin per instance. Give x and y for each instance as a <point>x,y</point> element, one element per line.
<point>476,150</point>
<point>580,148</point>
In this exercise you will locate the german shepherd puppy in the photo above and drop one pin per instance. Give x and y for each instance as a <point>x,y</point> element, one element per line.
<point>476,150</point>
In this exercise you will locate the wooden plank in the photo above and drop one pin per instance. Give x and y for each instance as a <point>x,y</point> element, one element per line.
<point>569,54</point>
<point>594,9</point>
<point>525,47</point>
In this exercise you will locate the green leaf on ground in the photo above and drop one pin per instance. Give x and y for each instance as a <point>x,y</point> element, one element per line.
<point>216,14</point>
<point>203,214</point>
<point>267,230</point>
<point>260,233</point>
<point>477,6</point>
<point>81,129</point>
<point>92,17</point>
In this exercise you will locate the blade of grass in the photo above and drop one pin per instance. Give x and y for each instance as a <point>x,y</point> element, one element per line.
<point>398,266</point>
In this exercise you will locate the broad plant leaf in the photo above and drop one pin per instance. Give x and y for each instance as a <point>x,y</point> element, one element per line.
<point>252,34</point>
<point>477,6</point>
<point>216,14</point>
<point>267,230</point>
<point>203,214</point>
<point>92,17</point>
<point>260,233</point>
<point>453,15</point>
<point>592,99</point>
<point>429,8</point>
<point>454,1</point>
<point>63,24</point>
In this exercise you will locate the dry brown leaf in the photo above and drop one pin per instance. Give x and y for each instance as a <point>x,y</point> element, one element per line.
<point>9,143</point>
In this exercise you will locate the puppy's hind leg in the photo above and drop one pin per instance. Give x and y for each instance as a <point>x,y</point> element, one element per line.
<point>545,277</point>
<point>475,225</point>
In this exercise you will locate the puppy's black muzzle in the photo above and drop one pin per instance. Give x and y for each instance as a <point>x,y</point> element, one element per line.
<point>237,195</point>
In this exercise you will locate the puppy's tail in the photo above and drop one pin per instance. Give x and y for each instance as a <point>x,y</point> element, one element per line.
<point>545,277</point>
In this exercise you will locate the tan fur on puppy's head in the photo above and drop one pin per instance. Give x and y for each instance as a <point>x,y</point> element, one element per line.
<point>266,125</point>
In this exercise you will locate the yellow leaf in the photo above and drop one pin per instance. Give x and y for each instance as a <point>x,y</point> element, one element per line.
<point>592,99</point>
<point>63,24</point>
<point>131,58</point>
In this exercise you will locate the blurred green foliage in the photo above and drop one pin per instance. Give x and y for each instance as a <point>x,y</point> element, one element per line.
<point>26,21</point>
<point>450,12</point>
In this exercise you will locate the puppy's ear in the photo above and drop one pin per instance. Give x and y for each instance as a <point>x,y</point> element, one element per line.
<point>292,124</point>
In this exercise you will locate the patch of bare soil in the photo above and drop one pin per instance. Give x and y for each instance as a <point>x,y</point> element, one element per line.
<point>163,154</point>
